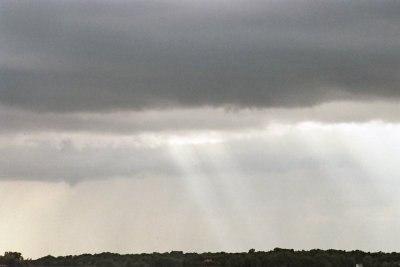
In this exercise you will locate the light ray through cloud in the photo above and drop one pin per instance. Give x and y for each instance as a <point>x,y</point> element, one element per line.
<point>201,187</point>
<point>339,170</point>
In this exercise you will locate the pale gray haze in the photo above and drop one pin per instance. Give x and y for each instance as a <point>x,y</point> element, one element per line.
<point>198,125</point>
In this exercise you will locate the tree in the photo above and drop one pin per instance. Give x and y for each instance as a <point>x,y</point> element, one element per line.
<point>13,259</point>
<point>106,263</point>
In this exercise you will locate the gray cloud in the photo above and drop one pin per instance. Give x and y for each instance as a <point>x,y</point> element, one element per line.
<point>189,120</point>
<point>74,159</point>
<point>64,162</point>
<point>97,55</point>
<point>17,120</point>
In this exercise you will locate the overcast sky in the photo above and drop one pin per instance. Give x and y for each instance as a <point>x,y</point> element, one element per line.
<point>141,126</point>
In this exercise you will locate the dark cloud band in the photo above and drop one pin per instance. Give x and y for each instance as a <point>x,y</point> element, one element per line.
<point>98,55</point>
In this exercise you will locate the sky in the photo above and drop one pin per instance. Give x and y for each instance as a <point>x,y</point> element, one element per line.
<point>197,125</point>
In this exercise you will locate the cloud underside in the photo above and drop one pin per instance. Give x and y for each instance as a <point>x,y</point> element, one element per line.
<point>192,120</point>
<point>96,56</point>
<point>305,150</point>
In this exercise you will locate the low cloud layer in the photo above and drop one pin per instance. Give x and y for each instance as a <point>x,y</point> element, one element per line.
<point>189,120</point>
<point>303,150</point>
<point>97,55</point>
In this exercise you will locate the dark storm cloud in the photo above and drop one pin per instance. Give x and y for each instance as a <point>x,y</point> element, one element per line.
<point>99,55</point>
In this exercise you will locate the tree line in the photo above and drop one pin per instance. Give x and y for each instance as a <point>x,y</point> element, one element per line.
<point>276,258</point>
